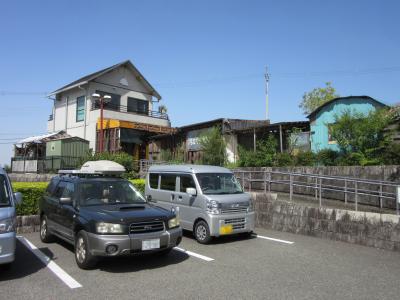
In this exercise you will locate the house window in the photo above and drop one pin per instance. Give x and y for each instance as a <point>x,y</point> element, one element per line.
<point>80,109</point>
<point>114,103</point>
<point>138,106</point>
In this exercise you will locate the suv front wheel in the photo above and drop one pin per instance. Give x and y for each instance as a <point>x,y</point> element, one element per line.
<point>84,259</point>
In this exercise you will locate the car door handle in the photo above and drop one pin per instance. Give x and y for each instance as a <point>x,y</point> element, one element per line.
<point>180,197</point>
<point>172,197</point>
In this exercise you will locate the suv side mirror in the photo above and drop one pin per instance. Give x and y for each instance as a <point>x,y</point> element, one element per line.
<point>18,198</point>
<point>191,191</point>
<point>66,201</point>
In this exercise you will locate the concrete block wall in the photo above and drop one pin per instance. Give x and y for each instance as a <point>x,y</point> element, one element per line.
<point>30,177</point>
<point>363,228</point>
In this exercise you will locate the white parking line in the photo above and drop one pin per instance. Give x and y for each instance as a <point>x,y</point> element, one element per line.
<point>60,273</point>
<point>272,239</point>
<point>206,258</point>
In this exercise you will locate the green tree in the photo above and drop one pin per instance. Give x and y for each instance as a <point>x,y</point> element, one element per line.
<point>317,97</point>
<point>264,156</point>
<point>362,137</point>
<point>213,147</point>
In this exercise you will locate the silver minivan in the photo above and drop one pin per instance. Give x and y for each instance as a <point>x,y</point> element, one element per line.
<point>8,200</point>
<point>209,200</point>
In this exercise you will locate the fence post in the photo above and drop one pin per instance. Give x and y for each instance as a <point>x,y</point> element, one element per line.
<point>250,181</point>
<point>356,195</point>
<point>316,188</point>
<point>380,195</point>
<point>345,191</point>
<point>269,181</point>
<point>320,192</point>
<point>397,199</point>
<point>243,181</point>
<point>265,182</point>
<point>291,186</point>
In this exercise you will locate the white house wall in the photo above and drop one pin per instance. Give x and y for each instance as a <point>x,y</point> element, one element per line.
<point>65,119</point>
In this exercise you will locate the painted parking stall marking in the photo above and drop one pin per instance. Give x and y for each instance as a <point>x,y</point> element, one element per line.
<point>203,257</point>
<point>273,239</point>
<point>60,273</point>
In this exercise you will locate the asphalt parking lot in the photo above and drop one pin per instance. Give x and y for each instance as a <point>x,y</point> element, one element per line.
<point>274,265</point>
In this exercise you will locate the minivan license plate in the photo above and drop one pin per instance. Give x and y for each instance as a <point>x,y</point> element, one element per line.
<point>150,244</point>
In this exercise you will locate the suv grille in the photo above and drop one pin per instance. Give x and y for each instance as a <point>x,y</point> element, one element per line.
<point>238,223</point>
<point>149,226</point>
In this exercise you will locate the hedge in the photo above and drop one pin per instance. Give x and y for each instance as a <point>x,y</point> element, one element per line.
<point>33,191</point>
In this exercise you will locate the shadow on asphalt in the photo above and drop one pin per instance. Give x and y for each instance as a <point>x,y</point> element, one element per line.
<point>124,264</point>
<point>25,264</point>
<point>223,239</point>
<point>138,263</point>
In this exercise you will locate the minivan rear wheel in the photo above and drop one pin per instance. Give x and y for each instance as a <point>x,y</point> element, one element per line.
<point>45,235</point>
<point>202,232</point>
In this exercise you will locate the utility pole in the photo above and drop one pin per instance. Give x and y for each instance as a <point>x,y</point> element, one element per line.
<point>266,75</point>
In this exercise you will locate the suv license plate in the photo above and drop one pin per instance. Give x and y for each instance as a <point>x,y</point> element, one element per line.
<point>150,244</point>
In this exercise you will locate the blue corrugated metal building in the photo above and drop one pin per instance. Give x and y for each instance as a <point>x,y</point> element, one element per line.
<point>325,115</point>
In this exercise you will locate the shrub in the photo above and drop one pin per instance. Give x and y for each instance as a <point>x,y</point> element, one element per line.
<point>31,194</point>
<point>213,147</point>
<point>306,158</point>
<point>264,156</point>
<point>33,191</point>
<point>283,159</point>
<point>327,157</point>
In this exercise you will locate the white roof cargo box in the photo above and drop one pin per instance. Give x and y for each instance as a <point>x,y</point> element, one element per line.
<point>100,167</point>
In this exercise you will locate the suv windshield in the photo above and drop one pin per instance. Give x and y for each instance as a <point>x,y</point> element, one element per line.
<point>219,183</point>
<point>4,192</point>
<point>98,192</point>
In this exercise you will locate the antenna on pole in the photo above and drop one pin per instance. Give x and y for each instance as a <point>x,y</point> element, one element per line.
<point>266,75</point>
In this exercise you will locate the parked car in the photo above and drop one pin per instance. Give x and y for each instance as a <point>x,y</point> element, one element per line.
<point>8,201</point>
<point>102,214</point>
<point>209,200</point>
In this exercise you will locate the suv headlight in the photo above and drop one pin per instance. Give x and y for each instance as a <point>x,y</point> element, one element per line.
<point>213,207</point>
<point>103,227</point>
<point>7,225</point>
<point>174,222</point>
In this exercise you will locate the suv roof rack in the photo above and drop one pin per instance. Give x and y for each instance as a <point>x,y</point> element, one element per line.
<point>99,167</point>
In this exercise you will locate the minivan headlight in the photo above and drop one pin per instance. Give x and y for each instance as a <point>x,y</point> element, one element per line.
<point>251,206</point>
<point>213,207</point>
<point>174,222</point>
<point>103,227</point>
<point>7,225</point>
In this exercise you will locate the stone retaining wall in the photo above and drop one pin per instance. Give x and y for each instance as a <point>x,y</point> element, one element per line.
<point>364,228</point>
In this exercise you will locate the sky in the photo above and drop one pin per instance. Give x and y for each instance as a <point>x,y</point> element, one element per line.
<point>207,59</point>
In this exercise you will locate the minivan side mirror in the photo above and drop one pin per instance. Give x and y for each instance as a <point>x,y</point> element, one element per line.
<point>66,201</point>
<point>18,197</point>
<point>191,191</point>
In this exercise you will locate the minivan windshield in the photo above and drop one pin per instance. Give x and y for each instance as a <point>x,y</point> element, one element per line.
<point>219,183</point>
<point>99,192</point>
<point>4,192</point>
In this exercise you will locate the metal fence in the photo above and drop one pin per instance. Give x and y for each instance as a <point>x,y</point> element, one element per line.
<point>44,165</point>
<point>351,190</point>
<point>131,110</point>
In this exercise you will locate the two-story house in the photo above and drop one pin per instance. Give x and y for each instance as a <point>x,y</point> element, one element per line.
<point>129,116</point>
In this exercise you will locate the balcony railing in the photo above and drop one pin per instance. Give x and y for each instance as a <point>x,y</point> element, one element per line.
<point>126,109</point>
<point>51,117</point>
